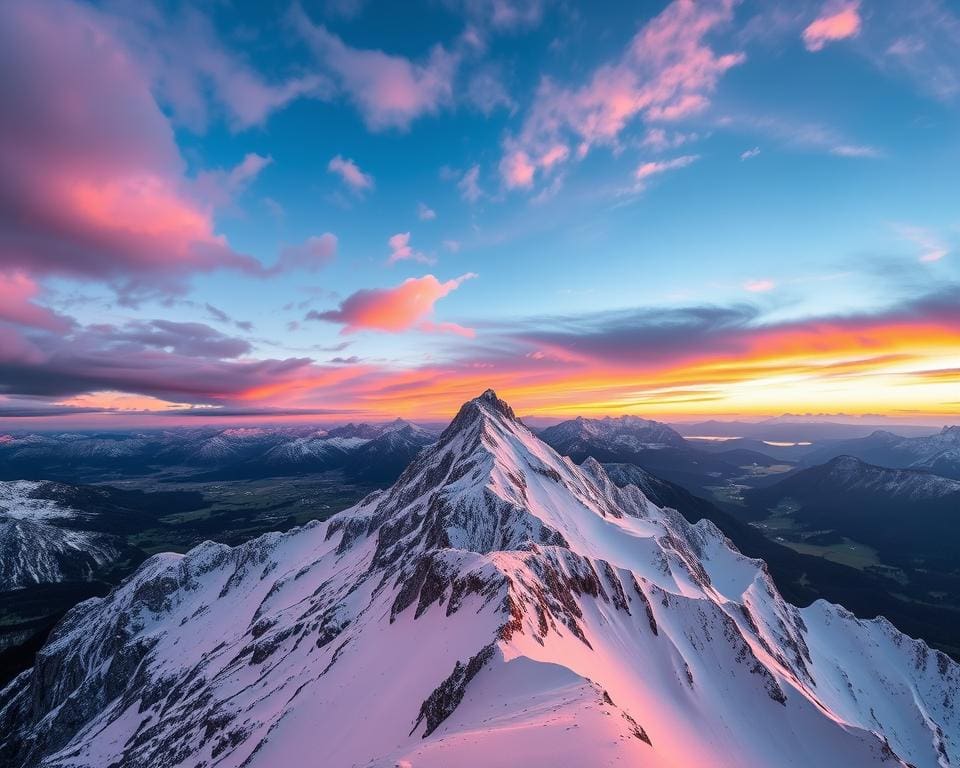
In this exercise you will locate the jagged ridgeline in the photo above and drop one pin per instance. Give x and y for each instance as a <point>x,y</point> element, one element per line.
<point>498,606</point>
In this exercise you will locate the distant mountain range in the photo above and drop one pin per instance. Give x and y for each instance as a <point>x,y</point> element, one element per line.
<point>363,451</point>
<point>656,447</point>
<point>938,453</point>
<point>793,429</point>
<point>905,513</point>
<point>497,606</point>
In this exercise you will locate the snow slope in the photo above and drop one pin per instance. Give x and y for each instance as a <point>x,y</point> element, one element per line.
<point>34,550</point>
<point>498,606</point>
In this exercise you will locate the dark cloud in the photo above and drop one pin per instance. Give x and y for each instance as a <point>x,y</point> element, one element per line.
<point>17,411</point>
<point>644,334</point>
<point>222,317</point>
<point>188,339</point>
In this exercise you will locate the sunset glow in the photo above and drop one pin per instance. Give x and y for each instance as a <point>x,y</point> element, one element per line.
<point>732,209</point>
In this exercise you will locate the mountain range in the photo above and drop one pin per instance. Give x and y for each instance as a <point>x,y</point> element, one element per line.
<point>497,606</point>
<point>938,453</point>
<point>909,515</point>
<point>374,453</point>
<point>655,446</point>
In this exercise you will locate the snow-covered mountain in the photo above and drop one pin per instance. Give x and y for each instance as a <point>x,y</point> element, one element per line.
<point>231,453</point>
<point>625,433</point>
<point>652,445</point>
<point>939,453</point>
<point>34,549</point>
<point>498,606</point>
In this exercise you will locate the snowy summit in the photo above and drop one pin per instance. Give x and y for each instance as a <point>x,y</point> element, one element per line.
<point>497,606</point>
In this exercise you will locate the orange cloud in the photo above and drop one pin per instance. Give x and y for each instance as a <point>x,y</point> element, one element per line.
<point>392,309</point>
<point>689,361</point>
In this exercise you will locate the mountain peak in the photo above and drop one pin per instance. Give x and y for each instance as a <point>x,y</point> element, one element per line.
<point>542,585</point>
<point>486,405</point>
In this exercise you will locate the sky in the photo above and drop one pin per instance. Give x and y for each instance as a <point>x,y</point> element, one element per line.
<point>333,209</point>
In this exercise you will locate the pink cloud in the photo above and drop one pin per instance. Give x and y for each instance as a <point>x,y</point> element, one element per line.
<point>406,306</point>
<point>454,328</point>
<point>425,212</point>
<point>91,179</point>
<point>837,21</point>
<point>646,170</point>
<point>390,91</point>
<point>667,73</point>
<point>517,169</point>
<point>556,154</point>
<point>401,250</point>
<point>17,294</point>
<point>351,174</point>
<point>759,286</point>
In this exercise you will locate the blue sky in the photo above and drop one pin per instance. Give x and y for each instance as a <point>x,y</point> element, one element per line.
<point>563,161</point>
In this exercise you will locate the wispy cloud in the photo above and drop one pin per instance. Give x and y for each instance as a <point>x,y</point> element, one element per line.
<point>349,172</point>
<point>401,250</point>
<point>656,167</point>
<point>469,184</point>
<point>667,72</point>
<point>196,74</point>
<point>797,134</point>
<point>854,150</point>
<point>390,91</point>
<point>932,248</point>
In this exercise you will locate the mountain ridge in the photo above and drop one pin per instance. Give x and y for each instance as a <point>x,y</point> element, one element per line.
<point>498,601</point>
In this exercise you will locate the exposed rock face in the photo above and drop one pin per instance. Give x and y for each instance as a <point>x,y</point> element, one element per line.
<point>497,604</point>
